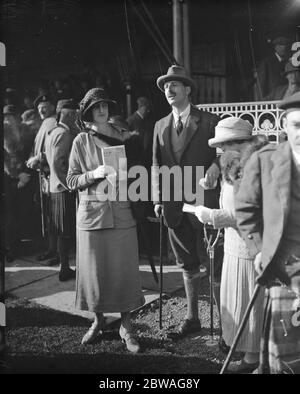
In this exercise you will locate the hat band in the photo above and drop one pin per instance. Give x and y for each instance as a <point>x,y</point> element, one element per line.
<point>226,133</point>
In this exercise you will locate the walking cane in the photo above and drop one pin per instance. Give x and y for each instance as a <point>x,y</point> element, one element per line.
<point>41,203</point>
<point>144,236</point>
<point>211,252</point>
<point>160,267</point>
<point>241,328</point>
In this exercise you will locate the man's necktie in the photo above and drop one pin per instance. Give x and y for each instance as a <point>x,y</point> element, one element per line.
<point>179,126</point>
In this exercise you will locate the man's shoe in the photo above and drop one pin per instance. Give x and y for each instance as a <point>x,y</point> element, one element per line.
<point>188,327</point>
<point>128,338</point>
<point>93,332</point>
<point>241,366</point>
<point>63,276</point>
<point>46,256</point>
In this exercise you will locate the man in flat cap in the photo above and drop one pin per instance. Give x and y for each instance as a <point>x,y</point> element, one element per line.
<point>292,86</point>
<point>270,72</point>
<point>44,104</point>
<point>181,139</point>
<point>58,146</point>
<point>268,212</point>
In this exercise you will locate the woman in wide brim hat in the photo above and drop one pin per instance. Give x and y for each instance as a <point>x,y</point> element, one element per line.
<point>107,248</point>
<point>234,136</point>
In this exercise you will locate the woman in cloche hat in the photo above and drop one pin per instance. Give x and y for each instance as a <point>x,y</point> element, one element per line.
<point>234,137</point>
<point>107,249</point>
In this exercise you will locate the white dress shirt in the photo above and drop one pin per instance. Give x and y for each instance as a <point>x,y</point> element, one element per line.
<point>184,115</point>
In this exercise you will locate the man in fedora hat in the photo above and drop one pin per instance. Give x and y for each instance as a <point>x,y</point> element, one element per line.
<point>270,72</point>
<point>181,139</point>
<point>292,74</point>
<point>268,212</point>
<point>58,146</point>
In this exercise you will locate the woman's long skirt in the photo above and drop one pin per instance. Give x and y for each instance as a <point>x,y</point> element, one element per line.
<point>237,286</point>
<point>108,278</point>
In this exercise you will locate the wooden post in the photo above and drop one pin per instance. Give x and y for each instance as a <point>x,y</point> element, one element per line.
<point>178,32</point>
<point>128,97</point>
<point>186,36</point>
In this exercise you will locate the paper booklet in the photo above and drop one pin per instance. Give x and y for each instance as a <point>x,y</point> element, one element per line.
<point>112,155</point>
<point>189,208</point>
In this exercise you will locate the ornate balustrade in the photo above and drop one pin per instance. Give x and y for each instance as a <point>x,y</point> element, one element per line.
<point>263,115</point>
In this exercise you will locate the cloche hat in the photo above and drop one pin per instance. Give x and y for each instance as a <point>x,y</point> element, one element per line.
<point>231,129</point>
<point>92,97</point>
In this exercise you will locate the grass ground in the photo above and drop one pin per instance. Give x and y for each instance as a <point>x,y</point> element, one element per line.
<point>44,340</point>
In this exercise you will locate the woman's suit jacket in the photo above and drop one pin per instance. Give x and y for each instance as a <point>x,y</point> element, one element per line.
<point>95,210</point>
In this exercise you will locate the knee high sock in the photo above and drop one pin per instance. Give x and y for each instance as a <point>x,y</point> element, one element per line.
<point>63,251</point>
<point>192,286</point>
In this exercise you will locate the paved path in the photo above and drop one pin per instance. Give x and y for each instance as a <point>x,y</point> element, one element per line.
<point>27,278</point>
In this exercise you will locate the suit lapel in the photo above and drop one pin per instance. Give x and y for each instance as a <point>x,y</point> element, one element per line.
<point>166,135</point>
<point>191,128</point>
<point>281,173</point>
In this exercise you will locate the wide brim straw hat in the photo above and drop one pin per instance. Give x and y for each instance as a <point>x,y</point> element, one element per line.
<point>93,97</point>
<point>231,129</point>
<point>176,73</point>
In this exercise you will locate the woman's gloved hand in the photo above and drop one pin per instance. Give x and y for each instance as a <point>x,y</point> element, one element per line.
<point>102,171</point>
<point>204,214</point>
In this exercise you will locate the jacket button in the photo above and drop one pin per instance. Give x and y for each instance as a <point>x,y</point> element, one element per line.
<point>250,236</point>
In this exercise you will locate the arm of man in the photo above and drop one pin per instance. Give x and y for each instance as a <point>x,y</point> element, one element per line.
<point>248,205</point>
<point>61,151</point>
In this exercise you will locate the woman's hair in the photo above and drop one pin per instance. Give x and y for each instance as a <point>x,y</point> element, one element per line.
<point>88,116</point>
<point>233,162</point>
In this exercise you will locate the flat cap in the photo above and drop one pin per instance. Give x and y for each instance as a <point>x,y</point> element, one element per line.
<point>66,104</point>
<point>290,103</point>
<point>43,98</point>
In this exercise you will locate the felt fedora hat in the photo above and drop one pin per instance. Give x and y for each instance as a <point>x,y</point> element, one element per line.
<point>231,129</point>
<point>176,73</point>
<point>93,97</point>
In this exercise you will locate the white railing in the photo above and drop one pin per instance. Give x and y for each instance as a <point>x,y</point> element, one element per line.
<point>263,115</point>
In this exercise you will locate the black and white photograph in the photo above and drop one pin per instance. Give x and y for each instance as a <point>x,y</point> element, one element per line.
<point>150,200</point>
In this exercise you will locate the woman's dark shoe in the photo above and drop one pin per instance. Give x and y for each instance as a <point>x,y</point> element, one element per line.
<point>128,338</point>
<point>188,327</point>
<point>241,366</point>
<point>65,275</point>
<point>93,332</point>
